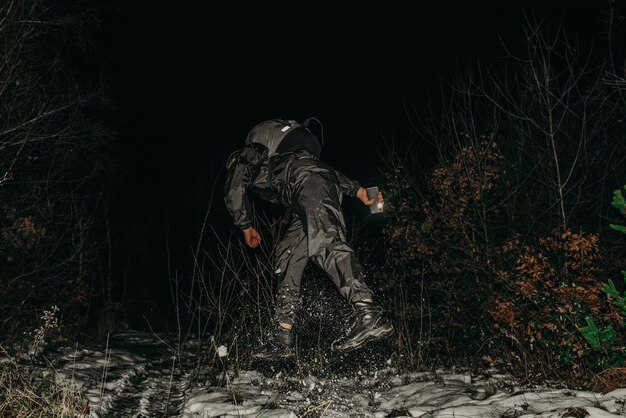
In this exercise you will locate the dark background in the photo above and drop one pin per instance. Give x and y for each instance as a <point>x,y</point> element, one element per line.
<point>190,79</point>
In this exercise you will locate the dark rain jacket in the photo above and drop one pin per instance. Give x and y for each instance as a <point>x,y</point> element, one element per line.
<point>265,168</point>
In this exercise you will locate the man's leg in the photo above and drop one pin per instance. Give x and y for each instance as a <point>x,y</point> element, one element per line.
<point>291,259</point>
<point>319,206</point>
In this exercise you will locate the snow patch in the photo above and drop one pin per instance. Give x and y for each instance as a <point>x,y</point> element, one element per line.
<point>135,377</point>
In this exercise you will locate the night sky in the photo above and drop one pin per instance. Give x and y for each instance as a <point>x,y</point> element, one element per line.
<point>190,79</point>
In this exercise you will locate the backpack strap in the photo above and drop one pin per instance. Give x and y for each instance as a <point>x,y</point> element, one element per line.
<point>307,122</point>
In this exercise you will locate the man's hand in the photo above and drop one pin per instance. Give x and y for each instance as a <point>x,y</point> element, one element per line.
<point>362,194</point>
<point>252,237</point>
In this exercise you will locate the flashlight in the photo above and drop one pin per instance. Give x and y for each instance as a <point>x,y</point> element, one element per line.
<point>372,193</point>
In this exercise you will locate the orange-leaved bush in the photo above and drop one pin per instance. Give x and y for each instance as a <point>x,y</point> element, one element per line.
<point>553,285</point>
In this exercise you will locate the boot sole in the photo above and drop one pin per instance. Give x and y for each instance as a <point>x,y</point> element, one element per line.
<point>375,335</point>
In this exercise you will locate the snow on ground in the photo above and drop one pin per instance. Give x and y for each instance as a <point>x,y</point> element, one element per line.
<point>134,377</point>
<point>439,394</point>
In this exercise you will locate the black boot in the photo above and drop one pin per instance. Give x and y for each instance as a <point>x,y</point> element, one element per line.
<point>278,345</point>
<point>370,325</point>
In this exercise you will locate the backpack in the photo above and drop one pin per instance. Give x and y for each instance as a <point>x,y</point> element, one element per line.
<point>270,133</point>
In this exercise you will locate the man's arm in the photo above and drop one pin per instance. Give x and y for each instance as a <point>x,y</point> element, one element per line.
<point>239,179</point>
<point>349,187</point>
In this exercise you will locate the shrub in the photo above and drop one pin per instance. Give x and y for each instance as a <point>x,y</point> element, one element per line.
<point>553,287</point>
<point>607,340</point>
<point>55,159</point>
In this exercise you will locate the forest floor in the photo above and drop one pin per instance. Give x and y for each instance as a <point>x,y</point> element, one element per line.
<point>137,374</point>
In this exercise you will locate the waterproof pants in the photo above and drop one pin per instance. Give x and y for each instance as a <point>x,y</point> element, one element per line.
<point>316,232</point>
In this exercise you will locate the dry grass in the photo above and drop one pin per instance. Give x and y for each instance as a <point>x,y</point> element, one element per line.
<point>29,390</point>
<point>610,379</point>
<point>24,393</point>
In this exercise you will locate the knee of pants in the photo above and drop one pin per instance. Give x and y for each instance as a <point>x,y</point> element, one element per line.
<point>280,266</point>
<point>336,249</point>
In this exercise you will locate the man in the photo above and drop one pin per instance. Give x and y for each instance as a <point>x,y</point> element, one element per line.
<point>280,163</point>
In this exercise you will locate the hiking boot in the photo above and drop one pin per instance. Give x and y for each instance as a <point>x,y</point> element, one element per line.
<point>370,325</point>
<point>279,345</point>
